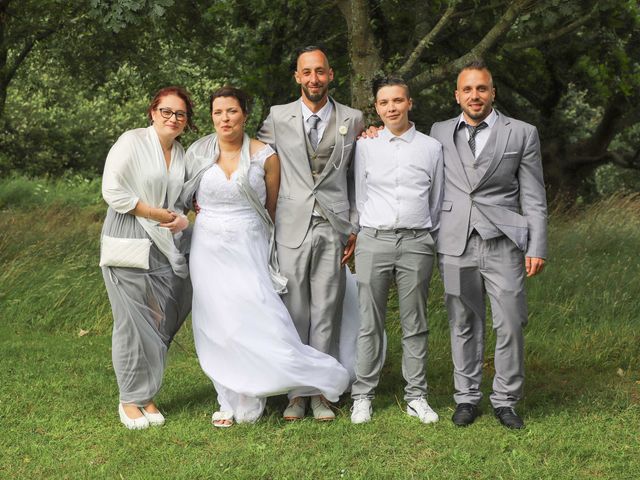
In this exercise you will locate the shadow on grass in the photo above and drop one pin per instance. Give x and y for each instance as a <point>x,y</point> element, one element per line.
<point>190,400</point>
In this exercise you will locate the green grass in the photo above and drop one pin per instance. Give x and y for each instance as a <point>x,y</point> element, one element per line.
<point>58,394</point>
<point>19,192</point>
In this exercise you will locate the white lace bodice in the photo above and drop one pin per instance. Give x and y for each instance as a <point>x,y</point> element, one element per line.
<point>223,206</point>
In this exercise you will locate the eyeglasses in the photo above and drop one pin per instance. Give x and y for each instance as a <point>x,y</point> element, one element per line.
<point>167,113</point>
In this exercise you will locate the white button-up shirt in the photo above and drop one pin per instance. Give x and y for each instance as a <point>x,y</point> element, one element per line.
<point>482,135</point>
<point>399,181</point>
<point>324,114</point>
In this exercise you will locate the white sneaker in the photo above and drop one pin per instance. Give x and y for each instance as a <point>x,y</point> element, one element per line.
<point>361,411</point>
<point>421,409</point>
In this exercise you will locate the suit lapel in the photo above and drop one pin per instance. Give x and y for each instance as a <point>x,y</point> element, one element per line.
<point>342,119</point>
<point>502,137</point>
<point>456,163</point>
<point>301,159</point>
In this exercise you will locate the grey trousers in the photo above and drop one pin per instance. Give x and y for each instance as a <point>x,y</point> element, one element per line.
<point>316,283</point>
<point>381,256</point>
<point>149,306</point>
<point>494,267</point>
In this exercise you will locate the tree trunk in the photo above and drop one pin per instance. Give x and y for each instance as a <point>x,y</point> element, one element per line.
<point>562,183</point>
<point>363,52</point>
<point>4,82</point>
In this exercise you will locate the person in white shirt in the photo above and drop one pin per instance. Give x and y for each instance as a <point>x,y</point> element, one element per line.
<point>399,184</point>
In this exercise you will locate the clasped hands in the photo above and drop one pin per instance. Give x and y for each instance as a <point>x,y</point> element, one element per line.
<point>174,221</point>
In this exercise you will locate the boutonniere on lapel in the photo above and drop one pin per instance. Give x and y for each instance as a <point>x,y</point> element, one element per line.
<point>342,130</point>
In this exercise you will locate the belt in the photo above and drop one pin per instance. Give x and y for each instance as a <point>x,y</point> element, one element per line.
<point>394,231</point>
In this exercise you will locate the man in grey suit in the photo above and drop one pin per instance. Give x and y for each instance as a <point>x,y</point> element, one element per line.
<point>492,234</point>
<point>316,215</point>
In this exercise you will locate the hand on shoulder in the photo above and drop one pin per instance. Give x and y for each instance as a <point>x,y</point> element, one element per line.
<point>370,132</point>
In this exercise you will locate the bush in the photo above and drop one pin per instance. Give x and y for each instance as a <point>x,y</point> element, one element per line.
<point>72,189</point>
<point>611,180</point>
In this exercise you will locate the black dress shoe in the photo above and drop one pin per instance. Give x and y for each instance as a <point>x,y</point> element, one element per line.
<point>508,417</point>
<point>465,414</point>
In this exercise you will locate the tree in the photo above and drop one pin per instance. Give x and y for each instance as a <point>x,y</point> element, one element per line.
<point>539,51</point>
<point>568,66</point>
<point>22,28</point>
<point>76,78</point>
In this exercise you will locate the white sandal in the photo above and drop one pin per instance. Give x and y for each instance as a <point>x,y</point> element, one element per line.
<point>221,417</point>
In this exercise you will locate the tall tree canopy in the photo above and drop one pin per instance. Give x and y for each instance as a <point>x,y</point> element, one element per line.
<point>569,67</point>
<point>76,74</point>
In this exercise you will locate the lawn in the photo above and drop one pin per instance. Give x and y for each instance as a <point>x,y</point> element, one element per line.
<point>58,395</point>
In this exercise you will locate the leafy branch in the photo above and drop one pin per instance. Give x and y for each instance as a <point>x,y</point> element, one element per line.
<point>428,39</point>
<point>554,35</point>
<point>501,28</point>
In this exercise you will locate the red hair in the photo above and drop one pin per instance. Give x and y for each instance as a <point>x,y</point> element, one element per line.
<point>179,92</point>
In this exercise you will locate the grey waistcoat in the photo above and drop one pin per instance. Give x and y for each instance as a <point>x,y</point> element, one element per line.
<point>318,159</point>
<point>475,168</point>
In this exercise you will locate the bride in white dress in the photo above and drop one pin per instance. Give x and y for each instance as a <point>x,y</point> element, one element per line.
<point>244,337</point>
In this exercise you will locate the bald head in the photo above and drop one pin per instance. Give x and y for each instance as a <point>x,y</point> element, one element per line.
<point>314,75</point>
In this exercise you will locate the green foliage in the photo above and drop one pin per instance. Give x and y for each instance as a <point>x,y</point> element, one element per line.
<point>70,190</point>
<point>23,26</point>
<point>575,115</point>
<point>51,127</point>
<point>118,15</point>
<point>613,180</point>
<point>73,129</point>
<point>90,77</point>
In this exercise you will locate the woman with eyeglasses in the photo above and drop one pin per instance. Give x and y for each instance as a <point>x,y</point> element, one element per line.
<point>244,336</point>
<point>142,252</point>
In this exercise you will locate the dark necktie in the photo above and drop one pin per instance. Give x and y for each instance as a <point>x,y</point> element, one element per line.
<point>473,131</point>
<point>313,131</point>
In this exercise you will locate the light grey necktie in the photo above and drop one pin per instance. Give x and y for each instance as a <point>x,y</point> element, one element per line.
<point>473,131</point>
<point>313,131</point>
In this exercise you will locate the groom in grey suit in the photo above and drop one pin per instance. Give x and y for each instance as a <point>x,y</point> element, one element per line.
<point>316,219</point>
<point>492,234</point>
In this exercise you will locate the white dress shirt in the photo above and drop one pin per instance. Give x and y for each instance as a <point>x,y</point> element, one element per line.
<point>482,135</point>
<point>399,181</point>
<point>324,114</point>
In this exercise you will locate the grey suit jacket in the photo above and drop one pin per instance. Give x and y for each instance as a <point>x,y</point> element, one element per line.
<point>511,193</point>
<point>333,189</point>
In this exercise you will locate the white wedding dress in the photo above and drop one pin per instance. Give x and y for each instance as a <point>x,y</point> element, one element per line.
<point>245,339</point>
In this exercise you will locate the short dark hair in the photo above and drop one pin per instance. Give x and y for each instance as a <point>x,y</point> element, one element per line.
<point>228,91</point>
<point>179,92</point>
<point>476,64</point>
<point>306,49</point>
<point>388,81</point>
